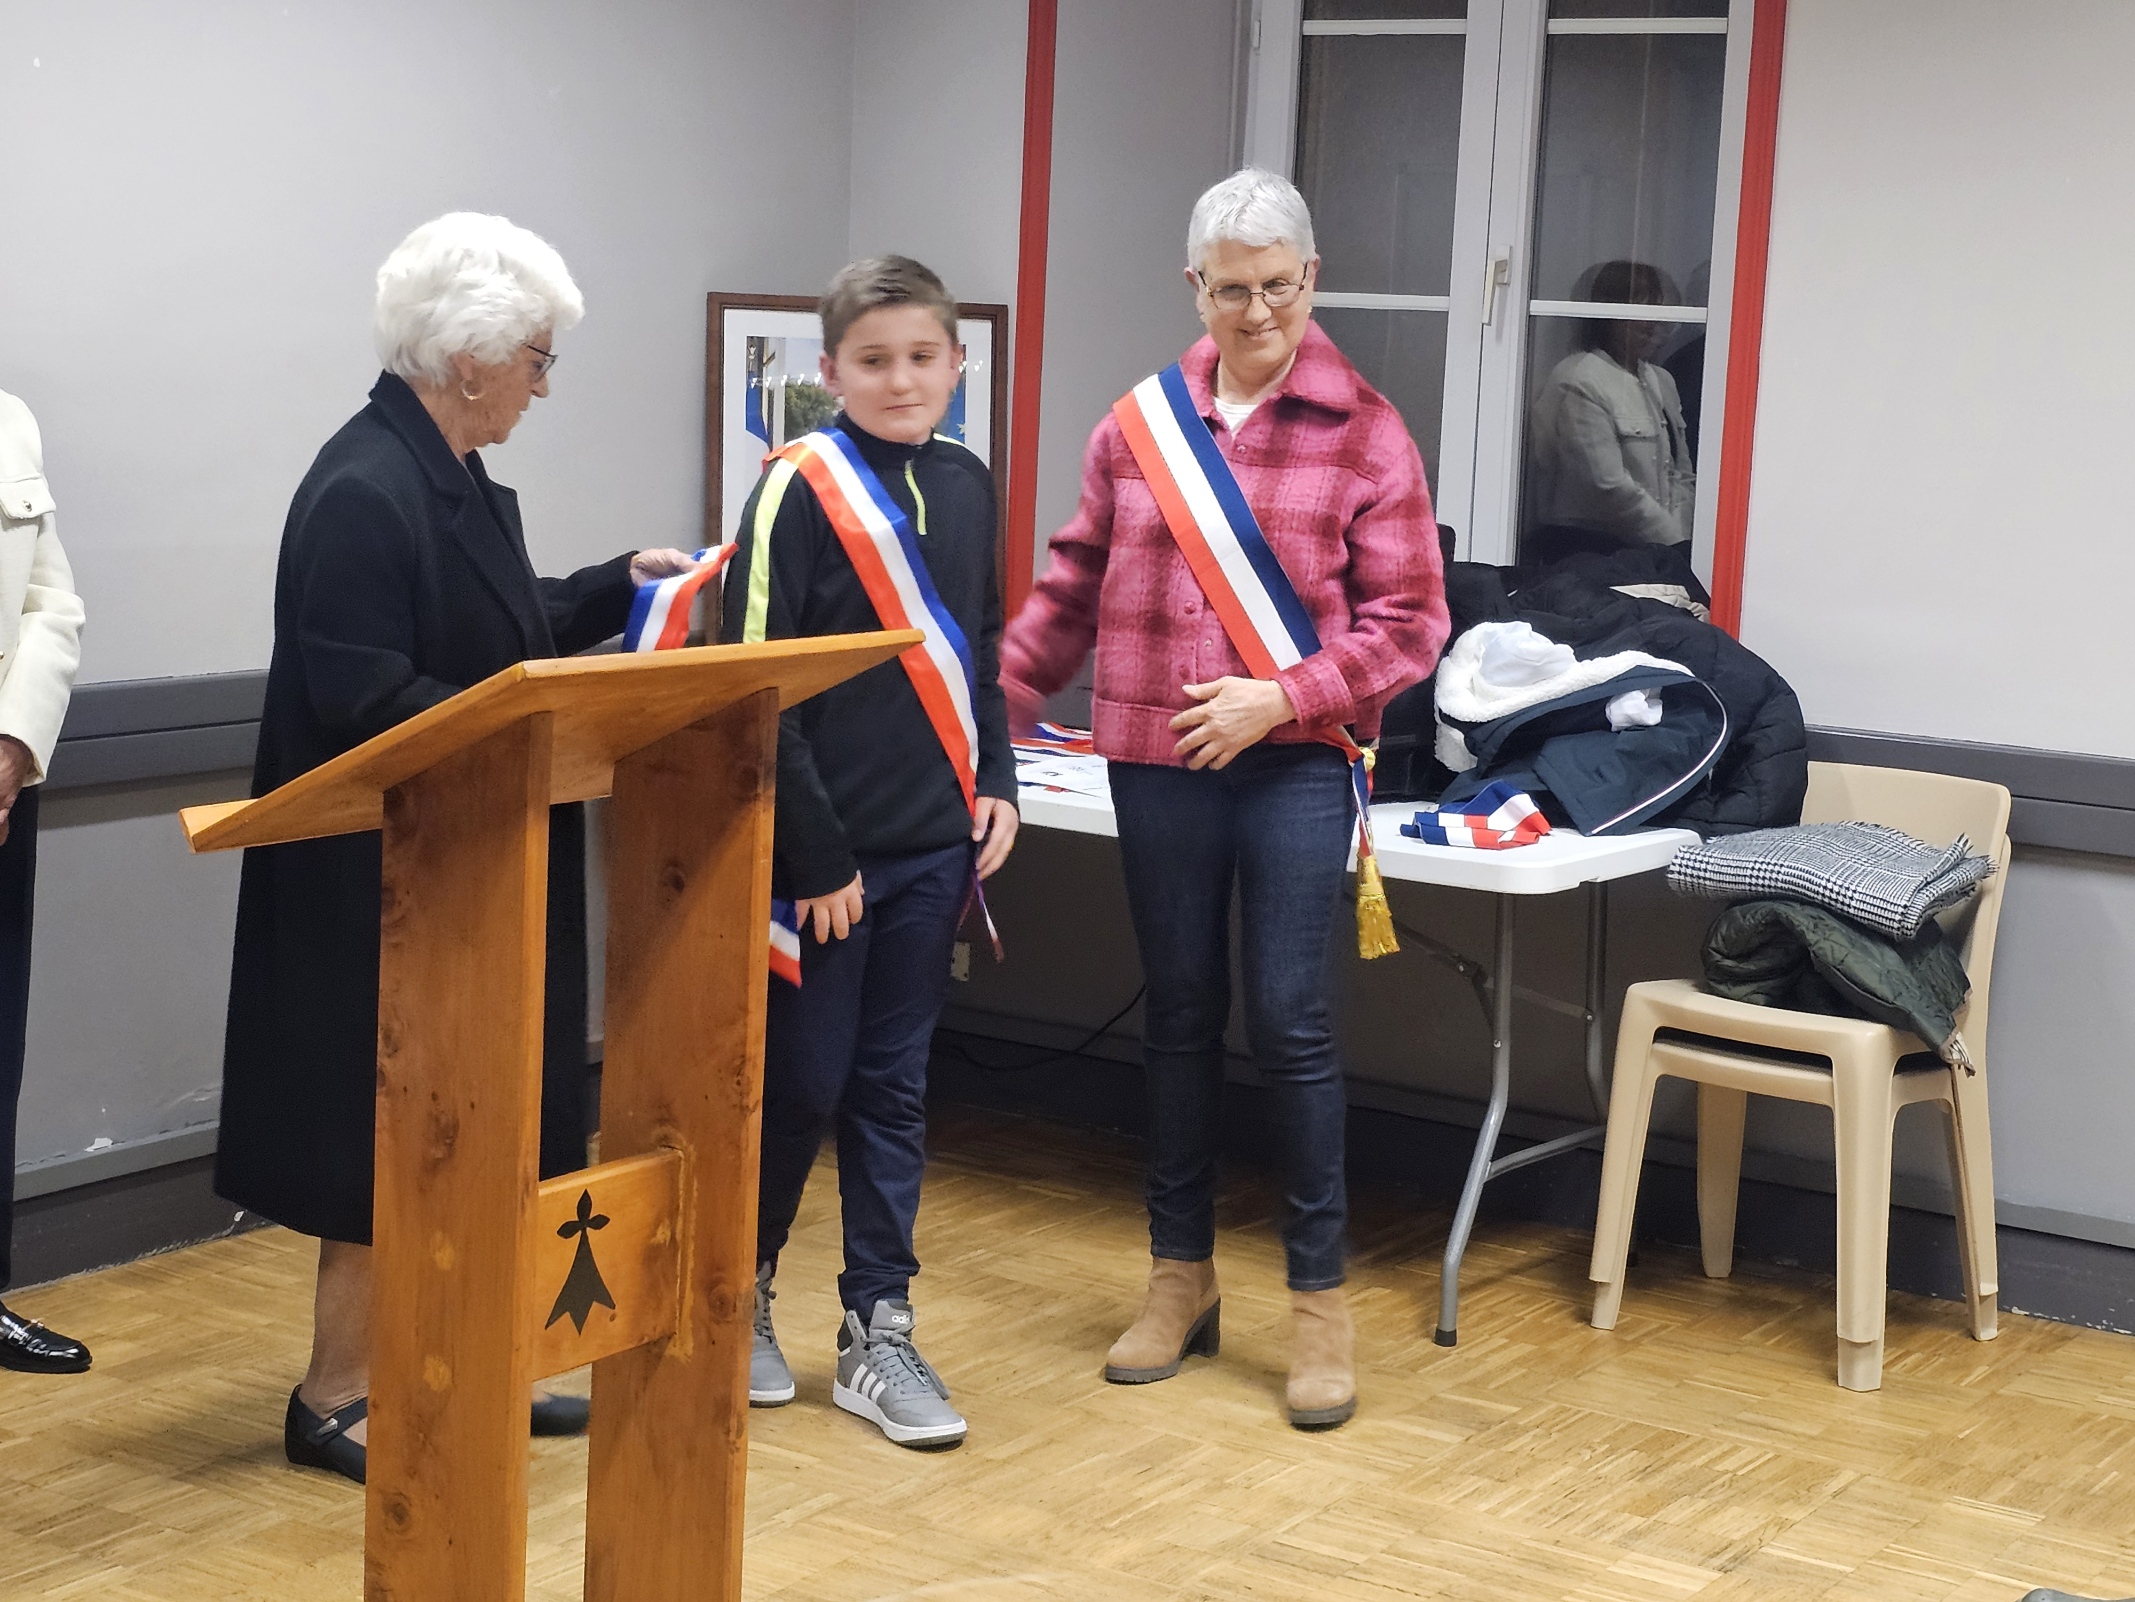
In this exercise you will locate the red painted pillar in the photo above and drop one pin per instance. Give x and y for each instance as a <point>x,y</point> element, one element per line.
<point>1745,346</point>
<point>1029,330</point>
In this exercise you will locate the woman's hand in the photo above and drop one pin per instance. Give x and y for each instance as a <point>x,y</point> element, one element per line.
<point>1234,713</point>
<point>834,914</point>
<point>993,824</point>
<point>16,766</point>
<point>663,563</point>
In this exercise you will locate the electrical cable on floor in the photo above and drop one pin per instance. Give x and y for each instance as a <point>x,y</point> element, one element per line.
<point>957,1049</point>
<point>1438,951</point>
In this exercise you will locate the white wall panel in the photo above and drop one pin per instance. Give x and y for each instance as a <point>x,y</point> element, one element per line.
<point>1936,540</point>
<point>197,198</point>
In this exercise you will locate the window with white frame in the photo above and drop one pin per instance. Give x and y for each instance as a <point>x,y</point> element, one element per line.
<point>1525,212</point>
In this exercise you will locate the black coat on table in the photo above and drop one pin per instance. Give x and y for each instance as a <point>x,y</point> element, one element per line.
<point>403,580</point>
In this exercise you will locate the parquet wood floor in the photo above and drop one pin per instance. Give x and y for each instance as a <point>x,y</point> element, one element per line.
<point>1701,1450</point>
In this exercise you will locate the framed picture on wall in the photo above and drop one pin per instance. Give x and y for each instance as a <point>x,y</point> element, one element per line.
<point>763,386</point>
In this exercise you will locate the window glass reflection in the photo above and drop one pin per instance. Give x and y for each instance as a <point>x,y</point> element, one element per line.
<point>1609,462</point>
<point>1623,217</point>
<point>1402,354</point>
<point>1630,155</point>
<point>1636,8</point>
<point>1378,147</point>
<point>1384,10</point>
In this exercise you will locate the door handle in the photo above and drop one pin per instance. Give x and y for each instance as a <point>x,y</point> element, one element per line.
<point>1496,275</point>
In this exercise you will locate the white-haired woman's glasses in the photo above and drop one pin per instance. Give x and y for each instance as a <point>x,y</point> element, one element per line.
<point>1275,294</point>
<point>546,359</point>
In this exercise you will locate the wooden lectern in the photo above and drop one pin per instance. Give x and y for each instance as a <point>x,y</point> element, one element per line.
<point>485,1279</point>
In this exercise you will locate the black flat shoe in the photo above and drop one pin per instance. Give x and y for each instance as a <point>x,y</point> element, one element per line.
<point>28,1347</point>
<point>562,1415</point>
<point>314,1442</point>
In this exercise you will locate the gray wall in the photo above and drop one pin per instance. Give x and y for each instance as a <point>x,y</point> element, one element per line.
<point>937,138</point>
<point>197,198</point>
<point>1145,117</point>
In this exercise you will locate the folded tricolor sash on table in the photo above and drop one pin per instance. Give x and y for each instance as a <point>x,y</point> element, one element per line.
<point>879,542</point>
<point>1061,738</point>
<point>660,612</point>
<point>1497,818</point>
<point>1245,584</point>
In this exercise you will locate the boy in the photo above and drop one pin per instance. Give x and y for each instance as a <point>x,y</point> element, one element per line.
<point>895,789</point>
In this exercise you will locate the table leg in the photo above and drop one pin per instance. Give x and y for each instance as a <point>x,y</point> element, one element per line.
<point>1471,1194</point>
<point>1597,966</point>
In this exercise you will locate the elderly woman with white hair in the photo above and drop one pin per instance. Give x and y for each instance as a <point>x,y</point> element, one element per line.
<point>403,579</point>
<point>1255,561</point>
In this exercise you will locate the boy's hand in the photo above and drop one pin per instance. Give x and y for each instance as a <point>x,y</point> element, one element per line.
<point>1234,713</point>
<point>834,914</point>
<point>994,823</point>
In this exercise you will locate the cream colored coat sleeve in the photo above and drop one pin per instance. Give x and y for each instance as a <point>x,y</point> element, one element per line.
<point>40,615</point>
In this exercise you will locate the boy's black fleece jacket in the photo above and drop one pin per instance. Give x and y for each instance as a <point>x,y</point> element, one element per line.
<point>860,770</point>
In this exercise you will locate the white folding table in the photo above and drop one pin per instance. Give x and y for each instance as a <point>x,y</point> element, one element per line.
<point>1561,860</point>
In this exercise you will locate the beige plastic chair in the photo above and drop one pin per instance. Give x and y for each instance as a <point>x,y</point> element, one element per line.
<point>1868,1072</point>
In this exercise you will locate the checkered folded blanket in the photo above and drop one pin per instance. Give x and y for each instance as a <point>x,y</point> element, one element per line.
<point>1880,877</point>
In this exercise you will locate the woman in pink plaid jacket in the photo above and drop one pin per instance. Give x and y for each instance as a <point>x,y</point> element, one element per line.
<point>1220,778</point>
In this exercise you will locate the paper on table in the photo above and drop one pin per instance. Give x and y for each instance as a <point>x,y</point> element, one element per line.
<point>1043,767</point>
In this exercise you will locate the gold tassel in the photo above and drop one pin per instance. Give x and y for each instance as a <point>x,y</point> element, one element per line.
<point>1375,919</point>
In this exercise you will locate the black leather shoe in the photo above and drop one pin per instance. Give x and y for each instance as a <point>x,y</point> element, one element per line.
<point>29,1348</point>
<point>561,1415</point>
<point>310,1441</point>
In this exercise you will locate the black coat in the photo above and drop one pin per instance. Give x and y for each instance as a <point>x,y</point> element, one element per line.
<point>1761,777</point>
<point>403,579</point>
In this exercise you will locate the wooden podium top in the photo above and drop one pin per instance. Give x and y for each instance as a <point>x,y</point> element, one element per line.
<point>604,707</point>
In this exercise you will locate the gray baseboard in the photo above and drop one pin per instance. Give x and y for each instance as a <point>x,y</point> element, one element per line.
<point>128,730</point>
<point>2061,800</point>
<point>120,1218</point>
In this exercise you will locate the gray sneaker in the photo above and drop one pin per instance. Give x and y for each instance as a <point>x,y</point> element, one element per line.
<point>883,1379</point>
<point>770,1380</point>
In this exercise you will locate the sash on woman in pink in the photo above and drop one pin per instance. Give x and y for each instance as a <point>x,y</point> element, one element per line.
<point>1245,584</point>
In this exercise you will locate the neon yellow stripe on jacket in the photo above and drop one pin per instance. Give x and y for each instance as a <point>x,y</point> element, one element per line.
<point>756,617</point>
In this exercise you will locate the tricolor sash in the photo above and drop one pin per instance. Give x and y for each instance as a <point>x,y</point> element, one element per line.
<point>785,942</point>
<point>659,621</point>
<point>879,541</point>
<point>660,611</point>
<point>1496,818</point>
<point>1266,622</point>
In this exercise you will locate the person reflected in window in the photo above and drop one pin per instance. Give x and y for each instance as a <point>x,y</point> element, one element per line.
<point>1608,457</point>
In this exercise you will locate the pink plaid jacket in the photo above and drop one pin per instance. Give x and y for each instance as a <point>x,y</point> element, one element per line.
<point>1330,471</point>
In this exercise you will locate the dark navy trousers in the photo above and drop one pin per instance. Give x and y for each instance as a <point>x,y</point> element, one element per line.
<point>1271,829</point>
<point>849,1048</point>
<point>18,878</point>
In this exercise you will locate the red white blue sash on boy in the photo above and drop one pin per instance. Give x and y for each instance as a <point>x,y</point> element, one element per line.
<point>884,551</point>
<point>659,621</point>
<point>1230,557</point>
<point>879,541</point>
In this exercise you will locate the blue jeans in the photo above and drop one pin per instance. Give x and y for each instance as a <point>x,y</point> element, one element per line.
<point>1277,821</point>
<point>849,1047</point>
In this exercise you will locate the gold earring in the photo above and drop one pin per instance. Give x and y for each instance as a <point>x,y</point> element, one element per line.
<point>470,394</point>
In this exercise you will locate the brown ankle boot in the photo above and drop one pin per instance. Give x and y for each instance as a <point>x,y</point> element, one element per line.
<point>1179,1319</point>
<point>1323,1364</point>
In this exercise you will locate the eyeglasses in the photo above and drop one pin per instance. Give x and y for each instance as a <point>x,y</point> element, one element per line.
<point>1275,294</point>
<point>543,360</point>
